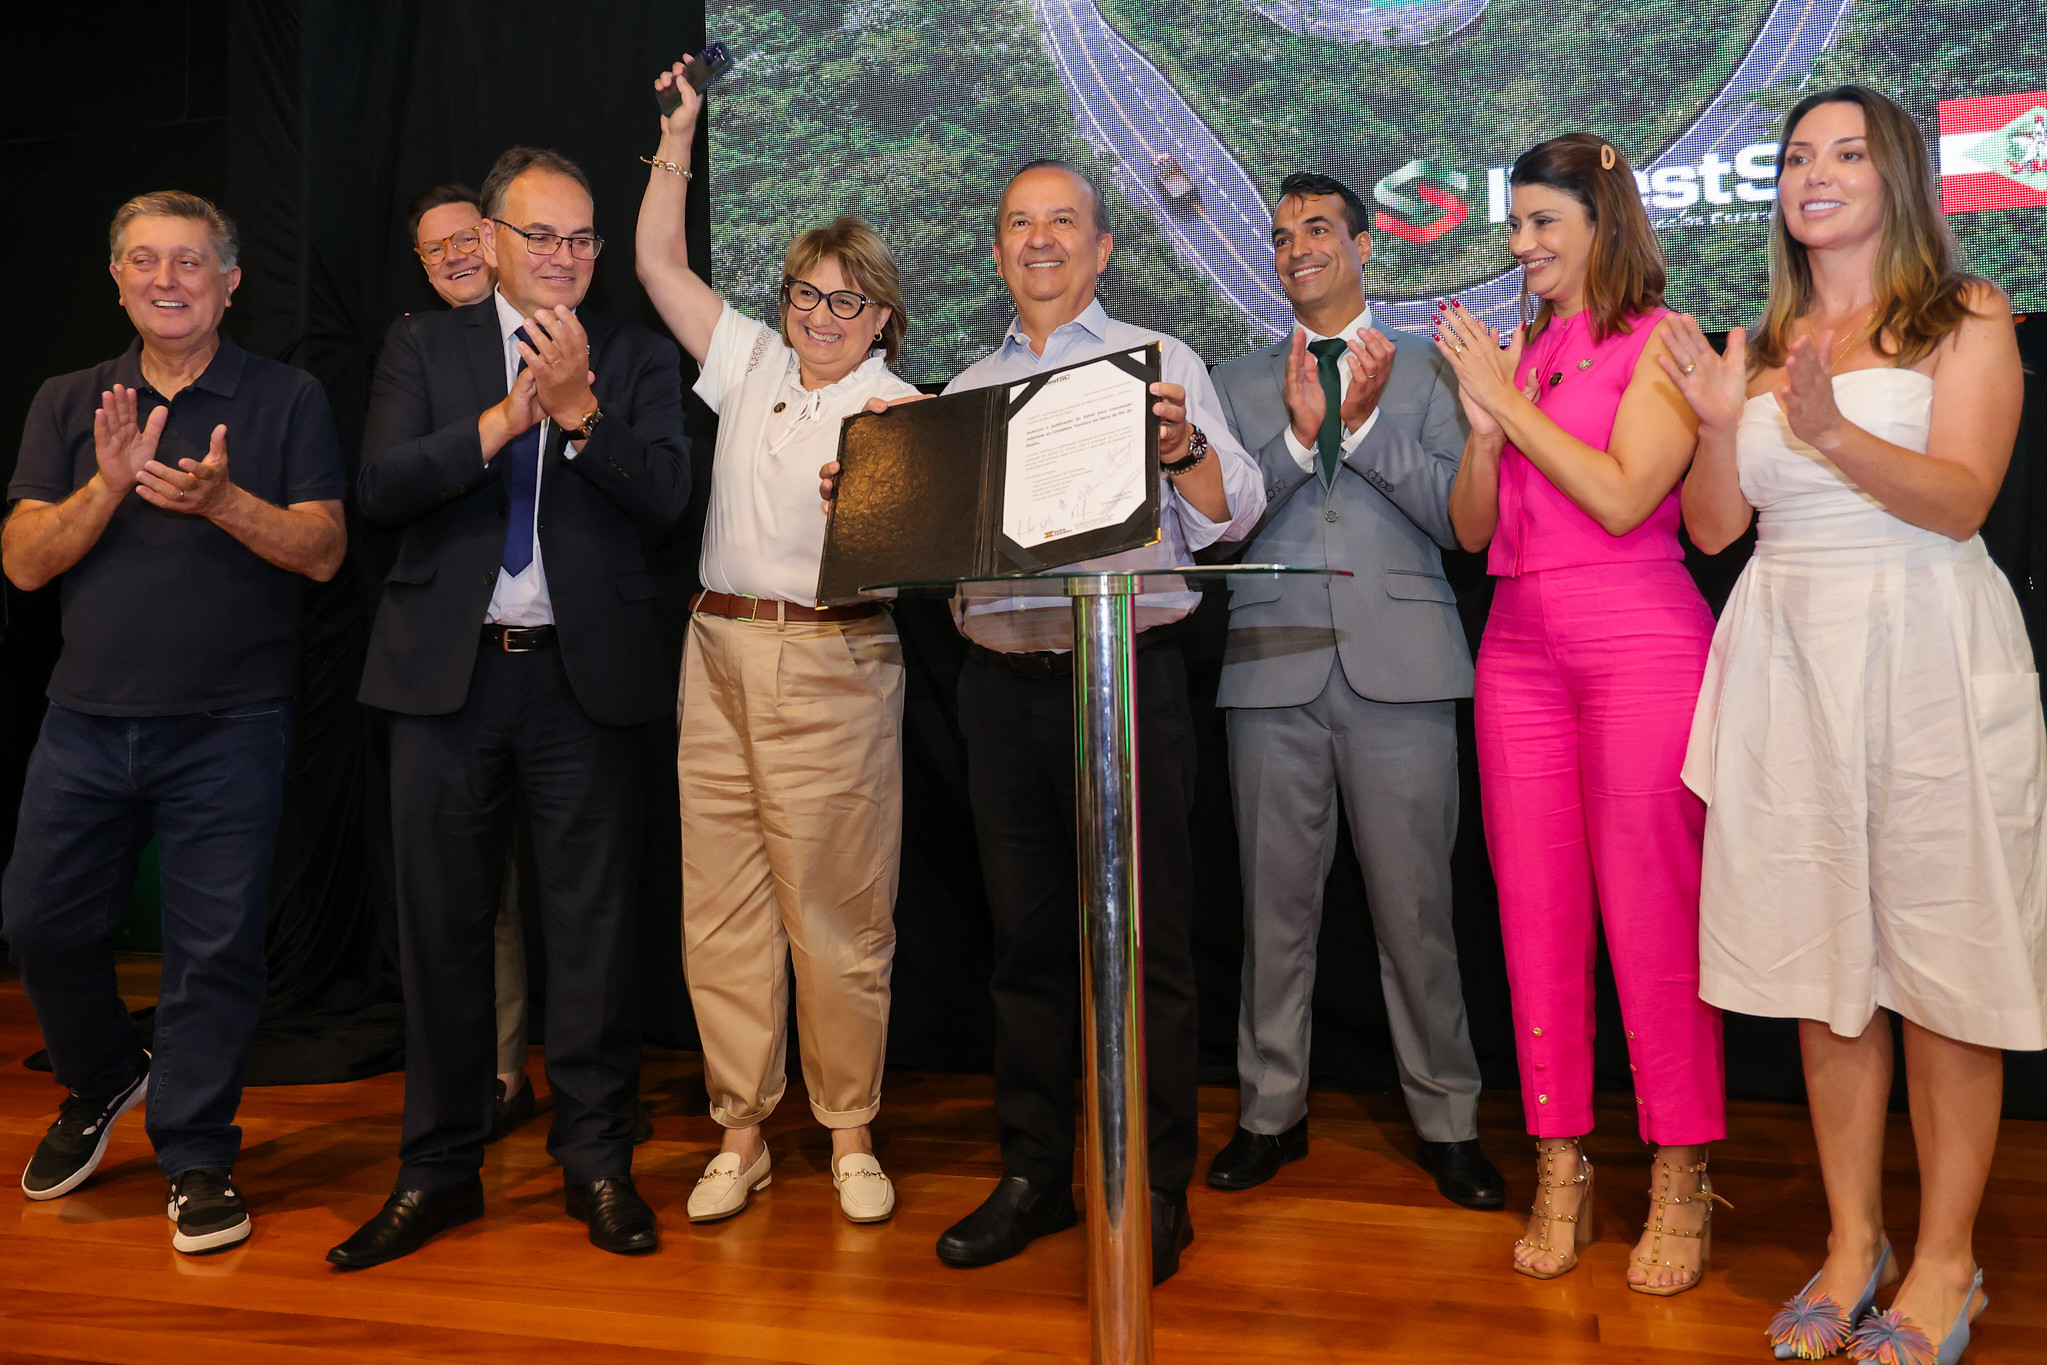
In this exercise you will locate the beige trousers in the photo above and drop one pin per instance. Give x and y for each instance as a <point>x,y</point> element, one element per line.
<point>791,777</point>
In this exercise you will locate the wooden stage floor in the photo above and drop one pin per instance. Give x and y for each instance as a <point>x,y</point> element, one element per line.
<point>1348,1255</point>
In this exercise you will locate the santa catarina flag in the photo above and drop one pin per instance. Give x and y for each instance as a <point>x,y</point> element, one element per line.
<point>1993,152</point>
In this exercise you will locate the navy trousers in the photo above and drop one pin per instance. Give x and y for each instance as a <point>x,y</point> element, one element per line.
<point>452,780</point>
<point>209,786</point>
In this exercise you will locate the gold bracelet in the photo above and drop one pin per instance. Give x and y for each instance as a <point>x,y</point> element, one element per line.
<point>672,167</point>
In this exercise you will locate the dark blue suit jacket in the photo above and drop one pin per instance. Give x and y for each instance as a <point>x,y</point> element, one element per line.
<point>423,472</point>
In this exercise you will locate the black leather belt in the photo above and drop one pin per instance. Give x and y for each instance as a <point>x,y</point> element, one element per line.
<point>1057,663</point>
<point>518,639</point>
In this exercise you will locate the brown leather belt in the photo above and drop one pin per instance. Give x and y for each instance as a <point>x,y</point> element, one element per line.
<point>742,607</point>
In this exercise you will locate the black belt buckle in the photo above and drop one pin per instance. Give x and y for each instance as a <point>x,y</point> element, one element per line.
<point>523,639</point>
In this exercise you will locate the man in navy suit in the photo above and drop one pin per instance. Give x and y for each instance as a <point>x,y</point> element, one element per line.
<point>520,447</point>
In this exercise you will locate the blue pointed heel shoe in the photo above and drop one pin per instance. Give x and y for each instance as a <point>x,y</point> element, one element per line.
<point>1813,1326</point>
<point>1888,1339</point>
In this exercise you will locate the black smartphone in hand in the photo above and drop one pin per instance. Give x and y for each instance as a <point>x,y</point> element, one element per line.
<point>713,62</point>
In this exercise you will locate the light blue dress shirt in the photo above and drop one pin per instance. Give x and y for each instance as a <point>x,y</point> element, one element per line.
<point>1017,624</point>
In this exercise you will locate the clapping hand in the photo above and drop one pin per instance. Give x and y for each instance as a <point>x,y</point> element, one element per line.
<point>557,355</point>
<point>1715,385</point>
<point>196,487</point>
<point>1808,393</point>
<point>1370,359</point>
<point>120,447</point>
<point>1485,372</point>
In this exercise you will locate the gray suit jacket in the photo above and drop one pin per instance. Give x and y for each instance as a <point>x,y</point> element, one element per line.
<point>1394,624</point>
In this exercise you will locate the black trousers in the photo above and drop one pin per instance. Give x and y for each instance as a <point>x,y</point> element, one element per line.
<point>452,779</point>
<point>1019,737</point>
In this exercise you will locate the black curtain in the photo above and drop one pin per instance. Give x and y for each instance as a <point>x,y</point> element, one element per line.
<point>313,122</point>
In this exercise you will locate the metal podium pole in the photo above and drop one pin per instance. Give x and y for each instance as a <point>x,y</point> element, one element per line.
<point>1112,968</point>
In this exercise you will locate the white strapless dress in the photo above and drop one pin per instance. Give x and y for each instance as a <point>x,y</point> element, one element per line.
<point>1869,744</point>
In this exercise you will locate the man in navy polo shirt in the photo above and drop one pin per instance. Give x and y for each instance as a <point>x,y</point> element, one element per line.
<point>171,704</point>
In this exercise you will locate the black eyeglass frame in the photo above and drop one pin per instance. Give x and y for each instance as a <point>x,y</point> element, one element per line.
<point>554,241</point>
<point>862,302</point>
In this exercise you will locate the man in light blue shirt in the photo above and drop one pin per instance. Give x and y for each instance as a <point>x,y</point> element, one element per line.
<point>1016,713</point>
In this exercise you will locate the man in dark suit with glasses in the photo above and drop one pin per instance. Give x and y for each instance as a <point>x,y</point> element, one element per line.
<point>520,447</point>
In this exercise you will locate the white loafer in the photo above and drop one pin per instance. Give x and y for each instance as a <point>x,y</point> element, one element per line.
<point>724,1189</point>
<point>865,1194</point>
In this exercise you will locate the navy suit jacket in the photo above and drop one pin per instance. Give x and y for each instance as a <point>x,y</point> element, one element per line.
<point>423,472</point>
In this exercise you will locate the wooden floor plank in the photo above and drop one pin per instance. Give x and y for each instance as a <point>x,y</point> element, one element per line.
<point>1349,1255</point>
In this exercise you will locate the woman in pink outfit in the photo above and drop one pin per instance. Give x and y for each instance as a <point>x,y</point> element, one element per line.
<point>1587,678</point>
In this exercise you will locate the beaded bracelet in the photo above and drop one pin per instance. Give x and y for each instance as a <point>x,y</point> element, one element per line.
<point>672,167</point>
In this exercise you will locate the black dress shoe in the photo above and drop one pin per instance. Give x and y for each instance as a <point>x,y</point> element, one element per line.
<point>1463,1174</point>
<point>1009,1220</point>
<point>1254,1158</point>
<point>407,1220</point>
<point>509,1111</point>
<point>1172,1232</point>
<point>619,1219</point>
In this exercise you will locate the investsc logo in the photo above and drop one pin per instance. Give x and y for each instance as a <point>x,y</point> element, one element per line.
<point>1424,201</point>
<point>1993,153</point>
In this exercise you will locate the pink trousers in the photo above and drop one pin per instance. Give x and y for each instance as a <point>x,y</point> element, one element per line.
<point>1586,682</point>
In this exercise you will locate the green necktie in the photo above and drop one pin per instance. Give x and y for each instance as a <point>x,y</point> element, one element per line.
<point>1329,441</point>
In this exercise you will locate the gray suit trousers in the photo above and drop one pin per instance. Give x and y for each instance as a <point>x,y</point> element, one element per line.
<point>1396,766</point>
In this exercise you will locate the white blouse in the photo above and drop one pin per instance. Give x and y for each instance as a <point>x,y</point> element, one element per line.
<point>765,532</point>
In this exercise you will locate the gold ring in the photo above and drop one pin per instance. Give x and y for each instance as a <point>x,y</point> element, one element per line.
<point>1458,347</point>
<point>1691,367</point>
<point>181,492</point>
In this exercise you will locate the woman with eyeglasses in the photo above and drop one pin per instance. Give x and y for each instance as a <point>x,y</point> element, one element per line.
<point>790,756</point>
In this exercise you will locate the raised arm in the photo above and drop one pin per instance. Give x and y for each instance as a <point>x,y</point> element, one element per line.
<point>661,245</point>
<point>1653,433</point>
<point>1978,387</point>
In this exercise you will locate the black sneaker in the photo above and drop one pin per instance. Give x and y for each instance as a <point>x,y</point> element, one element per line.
<point>209,1213</point>
<point>71,1150</point>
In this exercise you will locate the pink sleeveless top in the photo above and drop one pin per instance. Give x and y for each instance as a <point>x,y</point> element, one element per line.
<point>1539,527</point>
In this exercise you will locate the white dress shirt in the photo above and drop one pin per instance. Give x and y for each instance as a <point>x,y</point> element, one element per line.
<point>1022,624</point>
<point>764,534</point>
<point>1306,454</point>
<point>520,599</point>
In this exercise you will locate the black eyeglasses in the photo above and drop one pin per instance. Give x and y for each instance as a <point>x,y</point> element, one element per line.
<point>844,303</point>
<point>462,243</point>
<point>583,248</point>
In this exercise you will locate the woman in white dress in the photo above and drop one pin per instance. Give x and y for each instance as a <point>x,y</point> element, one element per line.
<point>1869,738</point>
<point>790,719</point>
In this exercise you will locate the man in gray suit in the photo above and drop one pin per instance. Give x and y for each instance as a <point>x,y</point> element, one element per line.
<point>1350,685</point>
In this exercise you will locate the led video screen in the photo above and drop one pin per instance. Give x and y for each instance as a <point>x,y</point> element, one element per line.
<point>914,113</point>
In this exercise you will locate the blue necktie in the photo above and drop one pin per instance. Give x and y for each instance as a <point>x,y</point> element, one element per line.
<point>522,481</point>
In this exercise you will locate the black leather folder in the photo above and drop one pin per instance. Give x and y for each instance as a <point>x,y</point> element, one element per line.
<point>920,491</point>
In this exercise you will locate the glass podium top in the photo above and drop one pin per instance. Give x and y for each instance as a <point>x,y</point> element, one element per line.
<point>1072,583</point>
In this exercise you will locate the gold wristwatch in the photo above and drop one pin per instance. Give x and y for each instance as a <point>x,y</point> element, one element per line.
<point>585,427</point>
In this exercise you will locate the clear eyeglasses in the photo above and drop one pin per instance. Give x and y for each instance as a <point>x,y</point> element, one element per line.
<point>463,243</point>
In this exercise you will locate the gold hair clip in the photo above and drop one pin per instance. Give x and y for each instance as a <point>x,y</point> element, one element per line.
<point>1606,157</point>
